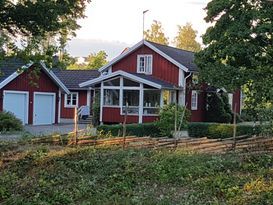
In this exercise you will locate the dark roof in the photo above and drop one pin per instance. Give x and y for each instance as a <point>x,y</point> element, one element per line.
<point>8,67</point>
<point>150,78</point>
<point>72,78</point>
<point>183,57</point>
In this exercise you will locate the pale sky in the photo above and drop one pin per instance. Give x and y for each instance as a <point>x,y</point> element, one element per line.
<point>113,25</point>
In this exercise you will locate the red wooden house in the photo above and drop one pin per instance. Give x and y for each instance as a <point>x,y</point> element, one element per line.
<point>32,93</point>
<point>145,77</point>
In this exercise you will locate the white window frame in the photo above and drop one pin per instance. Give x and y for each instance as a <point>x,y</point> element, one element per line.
<point>194,100</point>
<point>145,69</point>
<point>69,105</point>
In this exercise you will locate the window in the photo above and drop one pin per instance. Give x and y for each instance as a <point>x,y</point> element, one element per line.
<point>194,100</point>
<point>111,97</point>
<point>132,98</point>
<point>71,100</point>
<point>230,99</point>
<point>151,102</point>
<point>144,64</point>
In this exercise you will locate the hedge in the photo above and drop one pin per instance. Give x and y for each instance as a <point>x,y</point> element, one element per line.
<point>8,122</point>
<point>140,130</point>
<point>217,130</point>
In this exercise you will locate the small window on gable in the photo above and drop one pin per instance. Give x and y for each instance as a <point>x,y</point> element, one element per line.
<point>194,100</point>
<point>144,64</point>
<point>71,100</point>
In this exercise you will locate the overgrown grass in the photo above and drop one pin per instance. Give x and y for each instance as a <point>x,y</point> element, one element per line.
<point>57,175</point>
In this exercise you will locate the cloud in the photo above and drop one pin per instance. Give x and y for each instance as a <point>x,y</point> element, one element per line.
<point>197,2</point>
<point>83,47</point>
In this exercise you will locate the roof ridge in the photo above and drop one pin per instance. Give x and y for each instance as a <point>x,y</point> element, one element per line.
<point>180,49</point>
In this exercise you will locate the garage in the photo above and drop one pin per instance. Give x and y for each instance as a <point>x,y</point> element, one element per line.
<point>16,102</point>
<point>44,108</point>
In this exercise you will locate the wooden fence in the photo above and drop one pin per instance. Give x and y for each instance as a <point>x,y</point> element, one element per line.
<point>200,145</point>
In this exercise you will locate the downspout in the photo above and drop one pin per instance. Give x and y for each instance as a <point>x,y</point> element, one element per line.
<point>185,82</point>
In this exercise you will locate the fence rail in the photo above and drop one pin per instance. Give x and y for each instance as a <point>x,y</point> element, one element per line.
<point>200,145</point>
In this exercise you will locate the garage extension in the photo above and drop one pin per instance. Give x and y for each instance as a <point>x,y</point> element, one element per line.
<point>31,92</point>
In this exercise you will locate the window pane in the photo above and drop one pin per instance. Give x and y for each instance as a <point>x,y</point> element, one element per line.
<point>111,97</point>
<point>151,98</point>
<point>114,82</point>
<point>127,82</point>
<point>131,96</point>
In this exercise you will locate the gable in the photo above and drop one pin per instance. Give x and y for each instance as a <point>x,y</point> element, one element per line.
<point>162,68</point>
<point>32,80</point>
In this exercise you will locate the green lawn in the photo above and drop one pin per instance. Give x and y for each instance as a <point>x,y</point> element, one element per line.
<point>56,175</point>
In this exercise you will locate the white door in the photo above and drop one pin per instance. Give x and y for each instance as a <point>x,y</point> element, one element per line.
<point>16,102</point>
<point>44,108</point>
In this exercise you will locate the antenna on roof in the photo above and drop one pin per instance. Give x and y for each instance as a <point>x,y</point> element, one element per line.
<point>144,12</point>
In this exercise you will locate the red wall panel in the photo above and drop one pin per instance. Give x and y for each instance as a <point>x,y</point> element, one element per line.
<point>112,115</point>
<point>68,113</point>
<point>26,82</point>
<point>162,68</point>
<point>146,119</point>
<point>237,101</point>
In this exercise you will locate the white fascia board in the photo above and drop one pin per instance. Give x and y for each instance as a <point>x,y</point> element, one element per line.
<point>55,78</point>
<point>118,58</point>
<point>124,74</point>
<point>14,75</point>
<point>179,65</point>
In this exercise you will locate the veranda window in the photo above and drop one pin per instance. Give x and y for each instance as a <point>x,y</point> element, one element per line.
<point>132,98</point>
<point>111,97</point>
<point>151,102</point>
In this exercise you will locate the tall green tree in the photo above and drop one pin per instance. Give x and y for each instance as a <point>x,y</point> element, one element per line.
<point>186,38</point>
<point>34,22</point>
<point>239,48</point>
<point>156,34</point>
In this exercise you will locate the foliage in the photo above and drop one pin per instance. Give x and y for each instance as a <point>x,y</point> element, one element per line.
<point>217,130</point>
<point>9,122</point>
<point>107,176</point>
<point>140,130</point>
<point>93,61</point>
<point>156,34</point>
<point>238,48</point>
<point>186,38</point>
<point>38,30</point>
<point>166,122</point>
<point>96,109</point>
<point>218,108</point>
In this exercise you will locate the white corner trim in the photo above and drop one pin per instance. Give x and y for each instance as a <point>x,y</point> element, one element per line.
<point>59,105</point>
<point>122,73</point>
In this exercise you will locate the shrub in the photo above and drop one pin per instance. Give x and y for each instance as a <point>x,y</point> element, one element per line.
<point>139,130</point>
<point>8,122</point>
<point>217,130</point>
<point>166,122</point>
<point>218,109</point>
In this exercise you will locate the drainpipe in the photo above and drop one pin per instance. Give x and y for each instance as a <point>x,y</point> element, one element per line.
<point>185,82</point>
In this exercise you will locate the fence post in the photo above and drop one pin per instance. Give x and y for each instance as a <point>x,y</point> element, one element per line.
<point>76,125</point>
<point>124,125</point>
<point>234,127</point>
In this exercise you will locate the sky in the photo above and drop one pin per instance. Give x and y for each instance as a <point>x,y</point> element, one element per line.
<point>114,25</point>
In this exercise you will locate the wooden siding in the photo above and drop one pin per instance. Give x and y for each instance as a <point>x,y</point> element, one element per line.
<point>162,68</point>
<point>112,115</point>
<point>68,113</point>
<point>25,82</point>
<point>146,119</point>
<point>237,101</point>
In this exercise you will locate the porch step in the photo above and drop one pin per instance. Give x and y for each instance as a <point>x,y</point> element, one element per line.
<point>86,121</point>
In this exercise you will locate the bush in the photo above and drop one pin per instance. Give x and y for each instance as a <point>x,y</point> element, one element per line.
<point>139,130</point>
<point>9,122</point>
<point>217,130</point>
<point>166,122</point>
<point>218,109</point>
